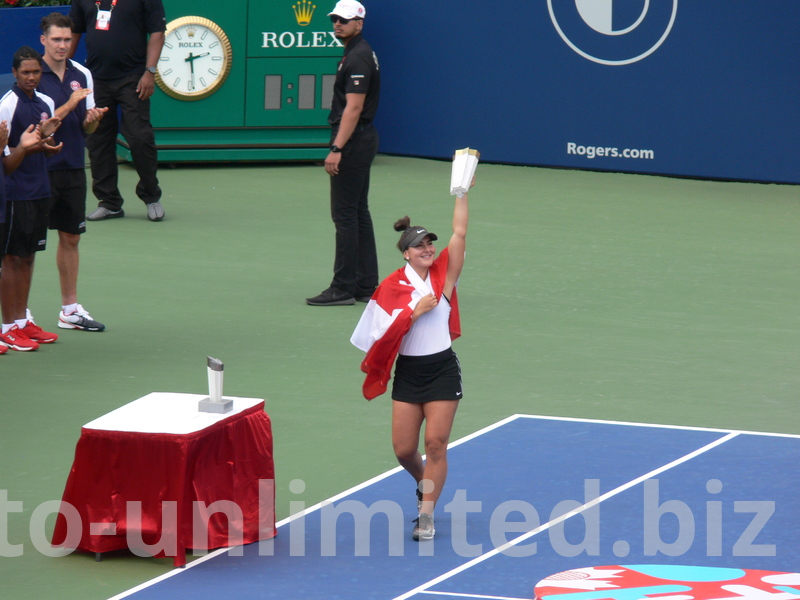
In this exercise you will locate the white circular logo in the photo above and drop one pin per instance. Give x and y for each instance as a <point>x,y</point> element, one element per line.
<point>613,32</point>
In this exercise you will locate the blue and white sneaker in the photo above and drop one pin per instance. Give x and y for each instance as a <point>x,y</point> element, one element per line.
<point>80,319</point>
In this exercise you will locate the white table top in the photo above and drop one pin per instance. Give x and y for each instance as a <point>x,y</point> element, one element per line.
<point>165,412</point>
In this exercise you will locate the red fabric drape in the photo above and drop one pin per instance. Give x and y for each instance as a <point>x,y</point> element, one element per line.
<point>224,462</point>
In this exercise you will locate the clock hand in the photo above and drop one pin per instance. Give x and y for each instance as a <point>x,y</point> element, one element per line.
<point>192,57</point>
<point>190,60</point>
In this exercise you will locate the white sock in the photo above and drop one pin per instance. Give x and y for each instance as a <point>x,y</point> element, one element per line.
<point>69,308</point>
<point>6,327</point>
<point>21,323</point>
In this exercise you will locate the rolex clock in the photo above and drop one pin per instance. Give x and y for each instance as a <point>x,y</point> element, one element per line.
<point>195,60</point>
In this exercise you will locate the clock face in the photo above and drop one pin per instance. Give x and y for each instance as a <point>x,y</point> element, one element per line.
<point>195,60</point>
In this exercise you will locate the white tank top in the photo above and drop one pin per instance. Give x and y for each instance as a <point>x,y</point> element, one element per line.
<point>431,332</point>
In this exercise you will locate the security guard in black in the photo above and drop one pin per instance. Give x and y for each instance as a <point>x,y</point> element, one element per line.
<point>358,73</point>
<point>353,146</point>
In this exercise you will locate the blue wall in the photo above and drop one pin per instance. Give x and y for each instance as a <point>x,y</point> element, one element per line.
<point>20,27</point>
<point>719,98</point>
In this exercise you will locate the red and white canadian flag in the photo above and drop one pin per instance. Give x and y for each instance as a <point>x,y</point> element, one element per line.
<point>387,319</point>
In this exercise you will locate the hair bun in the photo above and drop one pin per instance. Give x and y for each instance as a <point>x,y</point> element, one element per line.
<point>402,224</point>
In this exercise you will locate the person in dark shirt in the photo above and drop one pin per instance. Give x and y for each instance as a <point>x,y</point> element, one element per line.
<point>354,144</point>
<point>28,139</point>
<point>70,85</point>
<point>27,188</point>
<point>123,42</point>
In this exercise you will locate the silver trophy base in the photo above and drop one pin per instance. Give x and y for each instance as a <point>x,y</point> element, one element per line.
<point>210,406</point>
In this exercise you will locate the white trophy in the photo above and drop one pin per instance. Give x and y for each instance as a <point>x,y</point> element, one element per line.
<point>465,162</point>
<point>214,403</point>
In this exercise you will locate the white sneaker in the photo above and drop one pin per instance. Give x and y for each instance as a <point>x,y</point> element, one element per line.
<point>80,319</point>
<point>155,212</point>
<point>423,530</point>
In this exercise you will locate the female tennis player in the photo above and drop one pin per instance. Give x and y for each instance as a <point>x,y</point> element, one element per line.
<point>413,317</point>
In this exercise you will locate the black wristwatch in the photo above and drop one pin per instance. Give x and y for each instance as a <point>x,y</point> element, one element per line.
<point>335,148</point>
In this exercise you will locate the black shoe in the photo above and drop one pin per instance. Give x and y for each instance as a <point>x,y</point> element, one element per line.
<point>364,295</point>
<point>331,297</point>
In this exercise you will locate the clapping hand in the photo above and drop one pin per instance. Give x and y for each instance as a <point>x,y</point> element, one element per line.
<point>92,120</point>
<point>48,127</point>
<point>29,138</point>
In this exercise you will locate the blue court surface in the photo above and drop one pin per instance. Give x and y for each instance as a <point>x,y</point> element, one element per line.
<point>526,498</point>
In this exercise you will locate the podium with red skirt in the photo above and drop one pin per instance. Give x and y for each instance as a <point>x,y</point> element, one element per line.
<point>158,477</point>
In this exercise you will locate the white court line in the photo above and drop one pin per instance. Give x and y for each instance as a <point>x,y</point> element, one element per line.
<point>398,469</point>
<point>656,425</point>
<point>478,596</point>
<point>565,516</point>
<point>303,513</point>
<point>391,472</point>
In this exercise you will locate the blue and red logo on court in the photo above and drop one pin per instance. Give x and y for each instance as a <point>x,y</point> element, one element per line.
<point>668,582</point>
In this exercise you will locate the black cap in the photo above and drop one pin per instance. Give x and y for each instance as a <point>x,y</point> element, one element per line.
<point>413,236</point>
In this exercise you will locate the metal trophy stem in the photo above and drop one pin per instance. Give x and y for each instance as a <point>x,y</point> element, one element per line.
<point>215,403</point>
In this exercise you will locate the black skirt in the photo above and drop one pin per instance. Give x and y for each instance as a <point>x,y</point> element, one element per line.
<point>419,379</point>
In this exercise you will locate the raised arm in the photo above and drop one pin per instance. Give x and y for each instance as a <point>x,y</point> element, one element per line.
<point>458,243</point>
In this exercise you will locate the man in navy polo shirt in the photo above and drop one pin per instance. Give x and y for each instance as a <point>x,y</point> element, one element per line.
<point>27,195</point>
<point>69,84</point>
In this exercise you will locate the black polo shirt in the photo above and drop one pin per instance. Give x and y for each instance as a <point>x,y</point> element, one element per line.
<point>30,180</point>
<point>358,73</point>
<point>70,132</point>
<point>121,50</point>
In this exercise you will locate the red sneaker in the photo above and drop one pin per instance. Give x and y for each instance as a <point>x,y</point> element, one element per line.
<point>37,334</point>
<point>3,349</point>
<point>15,339</point>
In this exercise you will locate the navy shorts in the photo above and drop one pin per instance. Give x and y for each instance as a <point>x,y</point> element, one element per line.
<point>419,379</point>
<point>25,231</point>
<point>68,201</point>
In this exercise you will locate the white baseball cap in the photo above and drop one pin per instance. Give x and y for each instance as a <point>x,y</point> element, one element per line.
<point>349,9</point>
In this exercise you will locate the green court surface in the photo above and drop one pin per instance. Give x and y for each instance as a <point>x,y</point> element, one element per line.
<point>593,295</point>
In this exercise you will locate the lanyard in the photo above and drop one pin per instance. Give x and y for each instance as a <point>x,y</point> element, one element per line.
<point>113,4</point>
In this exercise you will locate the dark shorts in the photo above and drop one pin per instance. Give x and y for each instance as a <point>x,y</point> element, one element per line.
<point>419,379</point>
<point>68,201</point>
<point>25,229</point>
